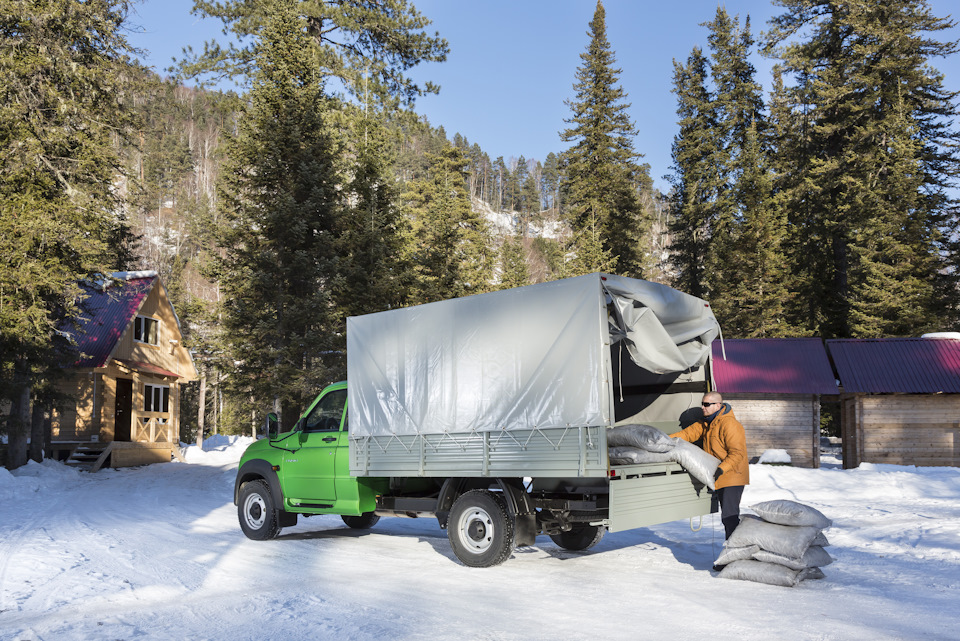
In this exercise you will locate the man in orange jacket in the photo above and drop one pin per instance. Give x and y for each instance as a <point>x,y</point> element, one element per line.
<point>722,435</point>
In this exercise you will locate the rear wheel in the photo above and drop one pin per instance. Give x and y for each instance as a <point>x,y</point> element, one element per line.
<point>480,529</point>
<point>363,522</point>
<point>257,513</point>
<point>579,537</point>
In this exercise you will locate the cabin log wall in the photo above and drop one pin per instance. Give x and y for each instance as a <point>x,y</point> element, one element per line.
<point>779,422</point>
<point>902,429</point>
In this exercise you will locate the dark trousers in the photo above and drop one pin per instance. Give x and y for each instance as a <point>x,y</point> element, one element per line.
<point>729,498</point>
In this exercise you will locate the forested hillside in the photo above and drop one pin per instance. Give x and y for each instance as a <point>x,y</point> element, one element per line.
<point>825,208</point>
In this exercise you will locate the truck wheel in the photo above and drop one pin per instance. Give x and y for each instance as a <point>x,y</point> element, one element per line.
<point>363,522</point>
<point>258,517</point>
<point>480,530</point>
<point>580,537</point>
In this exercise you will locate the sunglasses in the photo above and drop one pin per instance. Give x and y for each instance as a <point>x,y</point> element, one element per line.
<point>707,404</point>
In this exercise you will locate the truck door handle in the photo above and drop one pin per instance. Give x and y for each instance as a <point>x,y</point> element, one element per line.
<point>329,439</point>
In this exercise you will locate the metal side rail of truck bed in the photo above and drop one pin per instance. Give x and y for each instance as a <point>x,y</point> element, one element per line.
<point>549,452</point>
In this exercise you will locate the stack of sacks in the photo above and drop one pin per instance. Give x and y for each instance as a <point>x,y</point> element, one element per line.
<point>635,444</point>
<point>782,547</point>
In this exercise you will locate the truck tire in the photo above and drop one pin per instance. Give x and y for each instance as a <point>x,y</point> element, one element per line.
<point>258,515</point>
<point>363,522</point>
<point>579,537</point>
<point>480,529</point>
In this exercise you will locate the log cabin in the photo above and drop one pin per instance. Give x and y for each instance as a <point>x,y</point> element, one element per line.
<point>126,383</point>
<point>900,400</point>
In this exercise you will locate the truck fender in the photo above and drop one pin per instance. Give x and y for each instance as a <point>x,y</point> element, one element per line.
<point>258,468</point>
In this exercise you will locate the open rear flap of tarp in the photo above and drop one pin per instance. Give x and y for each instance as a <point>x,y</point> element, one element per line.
<point>666,330</point>
<point>530,357</point>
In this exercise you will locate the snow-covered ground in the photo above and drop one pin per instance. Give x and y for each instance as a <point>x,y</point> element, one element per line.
<point>156,553</point>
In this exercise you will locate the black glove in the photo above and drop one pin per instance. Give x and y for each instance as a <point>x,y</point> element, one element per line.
<point>717,474</point>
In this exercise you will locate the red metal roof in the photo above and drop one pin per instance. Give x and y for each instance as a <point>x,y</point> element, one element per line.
<point>773,366</point>
<point>897,365</point>
<point>107,314</point>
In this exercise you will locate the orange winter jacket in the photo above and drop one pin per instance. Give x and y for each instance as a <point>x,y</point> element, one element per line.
<point>724,438</point>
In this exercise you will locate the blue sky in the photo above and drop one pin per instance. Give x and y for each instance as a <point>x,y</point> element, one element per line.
<point>512,63</point>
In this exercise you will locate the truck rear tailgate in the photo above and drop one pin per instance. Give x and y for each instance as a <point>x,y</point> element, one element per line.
<point>642,495</point>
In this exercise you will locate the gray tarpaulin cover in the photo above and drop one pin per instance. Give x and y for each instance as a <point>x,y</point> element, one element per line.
<point>530,357</point>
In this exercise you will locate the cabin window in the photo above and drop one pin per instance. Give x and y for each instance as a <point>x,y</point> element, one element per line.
<point>146,330</point>
<point>156,398</point>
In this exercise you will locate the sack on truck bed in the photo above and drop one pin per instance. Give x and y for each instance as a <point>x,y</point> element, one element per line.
<point>635,444</point>
<point>645,437</point>
<point>636,456</point>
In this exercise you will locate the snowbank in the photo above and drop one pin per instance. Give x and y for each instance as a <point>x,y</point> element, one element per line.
<point>217,450</point>
<point>156,553</point>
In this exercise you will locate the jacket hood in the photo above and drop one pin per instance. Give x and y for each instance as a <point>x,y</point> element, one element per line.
<point>725,409</point>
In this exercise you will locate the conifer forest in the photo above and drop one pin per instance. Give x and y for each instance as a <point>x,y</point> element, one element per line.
<point>825,207</point>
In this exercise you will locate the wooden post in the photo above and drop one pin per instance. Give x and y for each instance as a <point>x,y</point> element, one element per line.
<point>201,412</point>
<point>816,431</point>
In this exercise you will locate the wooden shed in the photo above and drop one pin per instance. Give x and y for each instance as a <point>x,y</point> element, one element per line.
<point>775,386</point>
<point>126,382</point>
<point>900,400</point>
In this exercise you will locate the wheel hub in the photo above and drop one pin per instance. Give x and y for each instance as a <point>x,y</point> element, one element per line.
<point>477,529</point>
<point>255,511</point>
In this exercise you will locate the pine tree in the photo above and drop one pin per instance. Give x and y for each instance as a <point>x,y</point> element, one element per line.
<point>695,175</point>
<point>369,274</point>
<point>366,45</point>
<point>280,207</point>
<point>869,203</point>
<point>551,182</point>
<point>737,113</point>
<point>602,177</point>
<point>513,263</point>
<point>757,273</point>
<point>502,176</point>
<point>530,192</point>
<point>588,252</point>
<point>66,79</point>
<point>447,244</point>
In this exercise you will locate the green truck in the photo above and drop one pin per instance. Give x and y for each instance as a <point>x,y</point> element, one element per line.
<point>490,414</point>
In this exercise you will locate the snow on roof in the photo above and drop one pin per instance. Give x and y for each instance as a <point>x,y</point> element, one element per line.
<point>772,366</point>
<point>897,365</point>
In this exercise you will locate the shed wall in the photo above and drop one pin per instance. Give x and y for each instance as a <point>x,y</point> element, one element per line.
<point>901,429</point>
<point>780,423</point>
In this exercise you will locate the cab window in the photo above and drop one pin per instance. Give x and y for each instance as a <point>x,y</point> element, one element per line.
<point>326,415</point>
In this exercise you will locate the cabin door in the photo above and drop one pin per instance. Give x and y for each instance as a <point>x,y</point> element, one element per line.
<point>124,407</point>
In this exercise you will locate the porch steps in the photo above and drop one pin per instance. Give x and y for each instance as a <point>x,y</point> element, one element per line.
<point>89,456</point>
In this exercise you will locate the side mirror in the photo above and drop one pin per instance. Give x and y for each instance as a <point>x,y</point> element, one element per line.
<point>272,425</point>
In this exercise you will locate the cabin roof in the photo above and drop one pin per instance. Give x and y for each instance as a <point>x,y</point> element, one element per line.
<point>107,311</point>
<point>897,365</point>
<point>772,366</point>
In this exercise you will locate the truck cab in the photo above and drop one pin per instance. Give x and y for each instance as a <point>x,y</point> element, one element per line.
<point>303,471</point>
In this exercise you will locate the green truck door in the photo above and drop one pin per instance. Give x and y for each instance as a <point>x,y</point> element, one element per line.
<point>309,473</point>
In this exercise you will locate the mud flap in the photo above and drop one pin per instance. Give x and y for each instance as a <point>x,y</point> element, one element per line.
<point>525,529</point>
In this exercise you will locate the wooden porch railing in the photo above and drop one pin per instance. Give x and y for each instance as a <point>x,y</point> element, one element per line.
<point>149,429</point>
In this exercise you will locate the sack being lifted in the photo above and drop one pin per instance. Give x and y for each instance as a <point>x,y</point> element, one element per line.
<point>783,545</point>
<point>635,444</point>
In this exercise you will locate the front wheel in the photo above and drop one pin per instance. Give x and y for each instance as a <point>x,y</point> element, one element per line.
<point>580,537</point>
<point>480,530</point>
<point>363,522</point>
<point>258,516</point>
